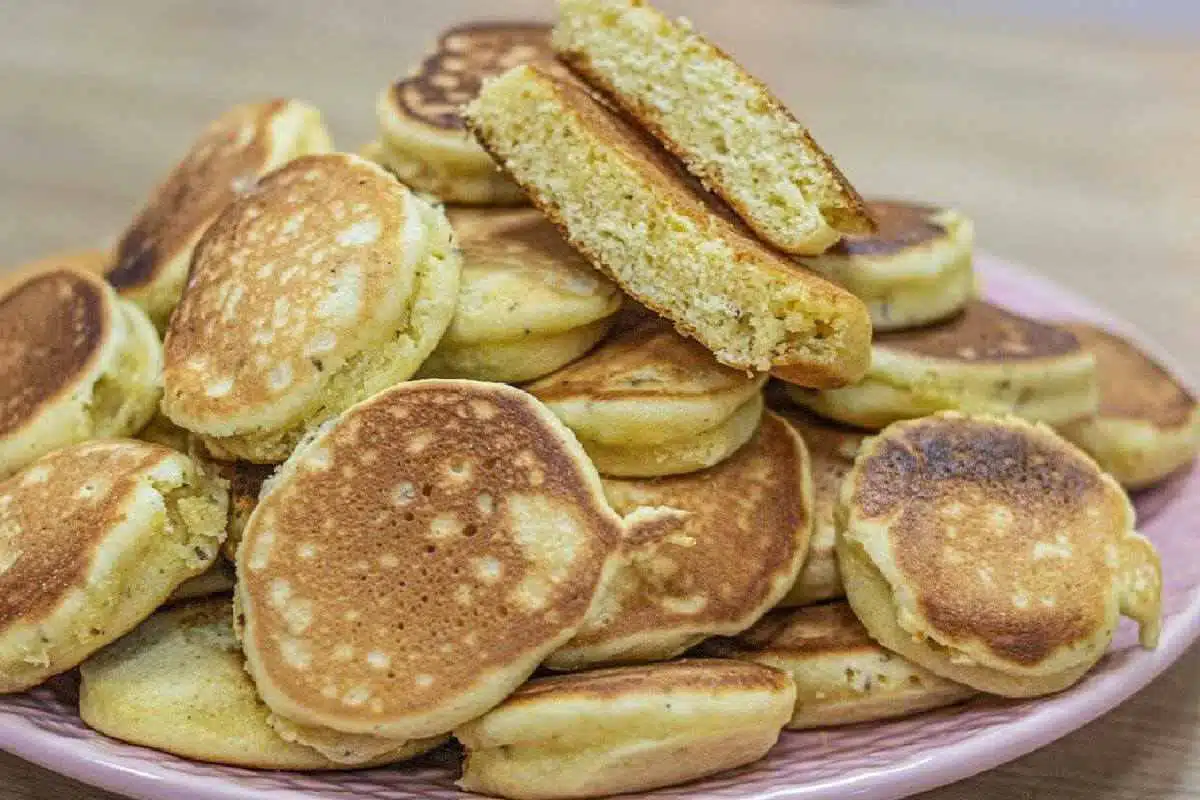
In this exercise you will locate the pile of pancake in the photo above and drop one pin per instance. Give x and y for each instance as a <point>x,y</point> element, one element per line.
<point>589,418</point>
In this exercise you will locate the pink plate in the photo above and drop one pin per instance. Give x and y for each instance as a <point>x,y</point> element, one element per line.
<point>868,762</point>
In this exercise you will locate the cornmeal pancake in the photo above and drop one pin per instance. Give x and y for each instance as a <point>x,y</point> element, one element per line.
<point>1147,425</point>
<point>627,206</point>
<point>983,360</point>
<point>412,563</point>
<point>78,363</point>
<point>328,283</point>
<point>841,675</point>
<point>239,147</point>
<point>217,579</point>
<point>992,552</point>
<point>93,538</point>
<point>727,127</point>
<point>176,683</point>
<point>703,554</point>
<point>422,136</point>
<point>913,270</point>
<point>626,729</point>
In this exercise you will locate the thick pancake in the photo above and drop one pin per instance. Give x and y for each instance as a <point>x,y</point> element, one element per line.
<point>623,203</point>
<point>1148,423</point>
<point>328,283</point>
<point>983,360</point>
<point>992,552</point>
<point>713,569</point>
<point>517,361</point>
<point>841,675</point>
<point>233,152</point>
<point>412,564</point>
<point>93,538</point>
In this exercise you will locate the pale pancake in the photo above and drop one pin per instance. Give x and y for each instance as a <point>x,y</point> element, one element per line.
<point>703,554</point>
<point>93,538</point>
<point>525,359</point>
<point>412,563</point>
<point>626,729</point>
<point>992,552</point>
<point>328,283</point>
<point>842,676</point>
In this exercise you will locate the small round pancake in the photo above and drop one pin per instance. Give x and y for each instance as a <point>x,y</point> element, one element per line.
<point>220,578</point>
<point>831,448</point>
<point>328,283</point>
<point>1148,423</point>
<point>841,675</point>
<point>233,152</point>
<point>915,269</point>
<point>985,360</point>
<point>422,136</point>
<point>992,552</point>
<point>176,683</point>
<point>703,554</point>
<point>414,561</point>
<point>78,363</point>
<point>93,538</point>
<point>626,729</point>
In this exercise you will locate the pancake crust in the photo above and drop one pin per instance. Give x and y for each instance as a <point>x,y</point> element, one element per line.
<point>414,562</point>
<point>713,569</point>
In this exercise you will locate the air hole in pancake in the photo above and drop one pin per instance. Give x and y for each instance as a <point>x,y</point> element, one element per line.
<point>430,549</point>
<point>470,530</point>
<point>427,490</point>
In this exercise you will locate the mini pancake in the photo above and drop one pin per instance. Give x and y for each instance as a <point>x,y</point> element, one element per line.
<point>234,151</point>
<point>831,448</point>
<point>841,675</point>
<point>992,552</point>
<point>414,561</point>
<point>626,729</point>
<point>630,210</point>
<point>176,683</point>
<point>217,579</point>
<point>422,136</point>
<point>703,554</point>
<point>1148,423</point>
<point>983,360</point>
<point>913,270</point>
<point>727,127</point>
<point>93,538</point>
<point>328,283</point>
<point>78,363</point>
<point>528,302</point>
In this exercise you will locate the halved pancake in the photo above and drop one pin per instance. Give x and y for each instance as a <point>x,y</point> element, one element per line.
<point>992,552</point>
<point>983,360</point>
<point>703,554</point>
<point>1148,423</point>
<point>78,363</point>
<point>626,729</point>
<point>328,283</point>
<point>913,270</point>
<point>414,561</point>
<point>841,675</point>
<point>93,538</point>
<point>624,204</point>
<point>233,152</point>
<point>730,130</point>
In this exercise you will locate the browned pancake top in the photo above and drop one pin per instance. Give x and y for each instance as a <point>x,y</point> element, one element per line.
<point>1132,384</point>
<point>52,327</point>
<point>983,332</point>
<point>810,631</point>
<point>222,164</point>
<point>900,225</point>
<point>1007,535</point>
<point>436,533</point>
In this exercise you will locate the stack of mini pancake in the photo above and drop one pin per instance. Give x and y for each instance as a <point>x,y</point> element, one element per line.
<point>593,364</point>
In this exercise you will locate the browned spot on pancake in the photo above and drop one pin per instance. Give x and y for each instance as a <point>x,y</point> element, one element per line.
<point>813,630</point>
<point>1000,529</point>
<point>901,225</point>
<point>983,333</point>
<point>51,328</point>
<point>223,163</point>
<point>1132,384</point>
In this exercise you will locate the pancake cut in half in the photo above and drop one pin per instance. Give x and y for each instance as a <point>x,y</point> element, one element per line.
<point>992,552</point>
<point>631,211</point>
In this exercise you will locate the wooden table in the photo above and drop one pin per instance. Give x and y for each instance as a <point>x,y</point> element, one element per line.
<point>1073,148</point>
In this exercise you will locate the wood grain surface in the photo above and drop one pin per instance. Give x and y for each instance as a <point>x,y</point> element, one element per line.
<point>1073,146</point>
